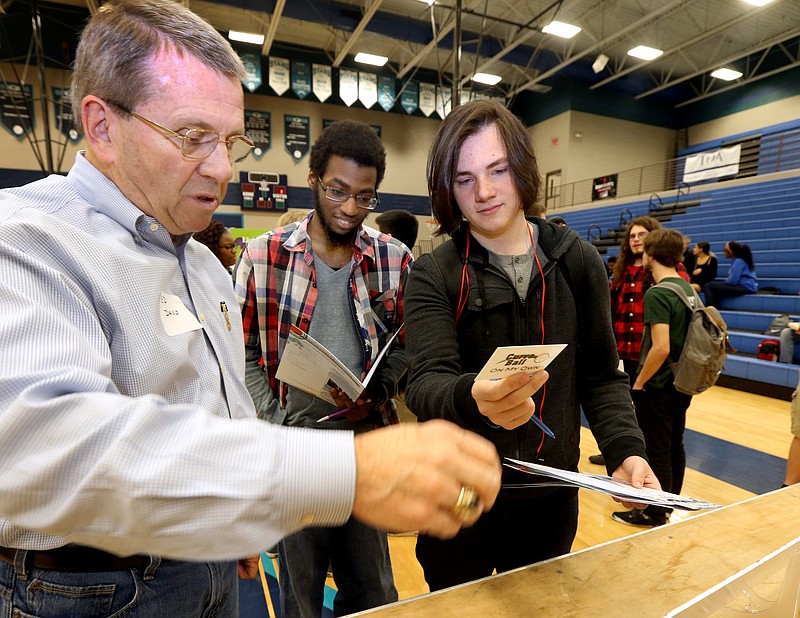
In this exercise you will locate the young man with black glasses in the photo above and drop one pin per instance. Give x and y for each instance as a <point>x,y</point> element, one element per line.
<point>342,283</point>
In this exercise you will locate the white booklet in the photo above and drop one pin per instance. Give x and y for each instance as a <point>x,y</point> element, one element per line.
<point>308,365</point>
<point>506,360</point>
<point>607,485</point>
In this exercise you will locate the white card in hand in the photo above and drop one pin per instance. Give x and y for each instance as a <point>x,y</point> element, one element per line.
<point>511,359</point>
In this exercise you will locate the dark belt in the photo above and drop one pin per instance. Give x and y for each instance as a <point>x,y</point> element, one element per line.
<point>75,558</point>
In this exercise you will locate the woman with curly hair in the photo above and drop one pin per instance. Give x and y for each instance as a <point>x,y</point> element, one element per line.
<point>217,238</point>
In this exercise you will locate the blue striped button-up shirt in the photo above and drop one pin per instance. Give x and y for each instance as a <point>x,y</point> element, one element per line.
<point>115,433</point>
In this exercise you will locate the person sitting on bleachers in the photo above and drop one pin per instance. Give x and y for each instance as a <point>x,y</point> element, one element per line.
<point>741,278</point>
<point>788,337</point>
<point>705,266</point>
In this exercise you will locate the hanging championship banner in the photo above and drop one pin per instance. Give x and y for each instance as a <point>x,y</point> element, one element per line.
<point>386,92</point>
<point>348,86</point>
<point>427,98</point>
<point>367,89</point>
<point>64,119</point>
<point>258,127</point>
<point>16,109</point>
<point>279,75</point>
<point>409,98</point>
<point>444,101</point>
<point>296,135</point>
<point>301,79</point>
<point>252,66</point>
<point>321,81</point>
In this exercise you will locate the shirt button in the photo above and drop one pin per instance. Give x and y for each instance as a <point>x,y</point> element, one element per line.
<point>519,279</point>
<point>154,227</point>
<point>516,259</point>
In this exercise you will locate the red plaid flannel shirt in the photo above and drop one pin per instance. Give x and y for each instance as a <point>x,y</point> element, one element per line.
<point>627,312</point>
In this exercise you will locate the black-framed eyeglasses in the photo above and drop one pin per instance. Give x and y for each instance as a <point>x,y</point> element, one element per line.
<point>335,194</point>
<point>199,144</point>
<point>229,247</point>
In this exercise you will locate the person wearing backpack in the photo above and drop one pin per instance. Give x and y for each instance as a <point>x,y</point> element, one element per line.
<point>660,408</point>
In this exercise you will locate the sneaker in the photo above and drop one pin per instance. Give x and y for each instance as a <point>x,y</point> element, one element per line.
<point>597,460</point>
<point>638,518</point>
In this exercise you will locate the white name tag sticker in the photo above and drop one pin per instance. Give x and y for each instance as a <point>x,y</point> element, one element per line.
<point>175,317</point>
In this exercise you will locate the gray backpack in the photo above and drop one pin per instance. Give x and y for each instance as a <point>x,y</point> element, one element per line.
<point>703,354</point>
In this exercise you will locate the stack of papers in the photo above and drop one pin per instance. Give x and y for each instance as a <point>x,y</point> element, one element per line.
<point>605,484</point>
<point>308,365</point>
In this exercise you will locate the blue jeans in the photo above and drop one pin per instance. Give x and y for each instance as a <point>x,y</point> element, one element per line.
<point>788,337</point>
<point>715,291</point>
<point>169,588</point>
<point>362,570</point>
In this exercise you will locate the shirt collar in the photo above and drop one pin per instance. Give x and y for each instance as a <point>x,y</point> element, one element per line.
<point>106,198</point>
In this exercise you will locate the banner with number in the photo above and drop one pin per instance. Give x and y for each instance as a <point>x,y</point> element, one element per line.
<point>63,116</point>
<point>301,78</point>
<point>252,66</point>
<point>427,98</point>
<point>258,127</point>
<point>16,109</point>
<point>386,92</point>
<point>279,77</point>
<point>296,135</point>
<point>322,82</point>
<point>348,86</point>
<point>409,98</point>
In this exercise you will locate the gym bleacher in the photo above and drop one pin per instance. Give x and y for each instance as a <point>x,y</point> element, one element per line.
<point>764,213</point>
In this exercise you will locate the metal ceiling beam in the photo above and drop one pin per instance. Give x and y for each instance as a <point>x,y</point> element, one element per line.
<point>529,31</point>
<point>357,32</point>
<point>693,40</point>
<point>443,32</point>
<point>740,83</point>
<point>269,37</point>
<point>723,61</point>
<point>650,17</point>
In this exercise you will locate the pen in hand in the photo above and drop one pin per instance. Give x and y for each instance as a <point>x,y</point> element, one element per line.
<point>540,424</point>
<point>336,414</point>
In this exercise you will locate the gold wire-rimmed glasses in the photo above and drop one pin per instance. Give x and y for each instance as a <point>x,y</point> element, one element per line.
<point>199,144</point>
<point>335,194</point>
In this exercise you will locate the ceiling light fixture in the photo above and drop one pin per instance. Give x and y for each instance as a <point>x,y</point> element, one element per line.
<point>600,63</point>
<point>430,2</point>
<point>559,28</point>
<point>246,37</point>
<point>758,2</point>
<point>365,58</point>
<point>644,52</point>
<point>487,78</point>
<point>727,75</point>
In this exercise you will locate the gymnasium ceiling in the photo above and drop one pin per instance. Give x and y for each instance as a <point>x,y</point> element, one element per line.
<point>505,37</point>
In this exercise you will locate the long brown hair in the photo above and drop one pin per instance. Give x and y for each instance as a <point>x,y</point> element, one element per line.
<point>463,122</point>
<point>625,254</point>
